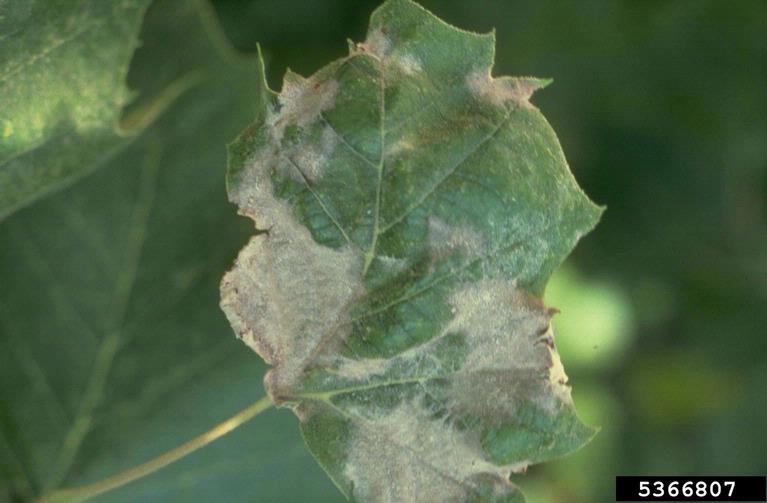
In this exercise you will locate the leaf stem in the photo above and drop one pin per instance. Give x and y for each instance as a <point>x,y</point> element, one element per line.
<point>82,493</point>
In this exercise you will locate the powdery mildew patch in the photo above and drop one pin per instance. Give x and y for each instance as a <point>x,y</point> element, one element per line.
<point>409,64</point>
<point>502,90</point>
<point>399,148</point>
<point>510,351</point>
<point>283,282</point>
<point>510,359</point>
<point>308,162</point>
<point>361,370</point>
<point>379,45</point>
<point>285,292</point>
<point>446,239</point>
<point>510,354</point>
<point>376,43</point>
<point>301,102</point>
<point>427,457</point>
<point>266,298</point>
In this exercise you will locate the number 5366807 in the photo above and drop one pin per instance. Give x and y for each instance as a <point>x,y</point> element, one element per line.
<point>701,488</point>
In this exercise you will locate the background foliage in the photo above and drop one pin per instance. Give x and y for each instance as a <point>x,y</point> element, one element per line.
<point>660,107</point>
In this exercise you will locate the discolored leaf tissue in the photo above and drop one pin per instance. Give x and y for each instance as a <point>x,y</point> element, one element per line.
<point>413,208</point>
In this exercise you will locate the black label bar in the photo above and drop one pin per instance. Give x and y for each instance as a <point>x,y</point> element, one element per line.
<point>654,488</point>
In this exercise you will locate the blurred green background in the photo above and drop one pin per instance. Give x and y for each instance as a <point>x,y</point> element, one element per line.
<point>661,109</point>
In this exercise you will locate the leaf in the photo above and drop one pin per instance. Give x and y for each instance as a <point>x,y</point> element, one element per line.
<point>62,89</point>
<point>112,346</point>
<point>413,208</point>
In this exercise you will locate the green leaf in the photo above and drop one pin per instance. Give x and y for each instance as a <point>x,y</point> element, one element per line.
<point>62,71</point>
<point>413,208</point>
<point>112,346</point>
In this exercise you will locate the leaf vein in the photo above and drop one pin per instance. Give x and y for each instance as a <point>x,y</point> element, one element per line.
<point>450,274</point>
<point>447,175</point>
<point>346,143</point>
<point>370,254</point>
<point>110,344</point>
<point>82,29</point>
<point>318,199</point>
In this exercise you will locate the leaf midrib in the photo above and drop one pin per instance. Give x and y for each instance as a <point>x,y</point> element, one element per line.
<point>370,253</point>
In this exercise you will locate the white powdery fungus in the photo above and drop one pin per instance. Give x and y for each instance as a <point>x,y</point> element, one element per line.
<point>399,147</point>
<point>301,102</point>
<point>362,369</point>
<point>510,358</point>
<point>446,239</point>
<point>501,323</point>
<point>376,43</point>
<point>510,354</point>
<point>510,351</point>
<point>428,457</point>
<point>307,163</point>
<point>409,63</point>
<point>286,292</point>
<point>502,90</point>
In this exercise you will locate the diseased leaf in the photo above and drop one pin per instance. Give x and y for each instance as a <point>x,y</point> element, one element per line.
<point>62,71</point>
<point>413,208</point>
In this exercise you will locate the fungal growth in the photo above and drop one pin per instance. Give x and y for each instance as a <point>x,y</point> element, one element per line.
<point>498,91</point>
<point>411,208</point>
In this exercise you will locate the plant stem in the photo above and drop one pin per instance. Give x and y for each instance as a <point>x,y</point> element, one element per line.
<point>82,493</point>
